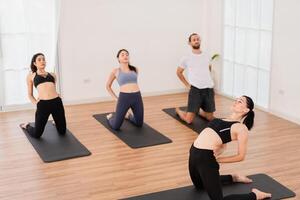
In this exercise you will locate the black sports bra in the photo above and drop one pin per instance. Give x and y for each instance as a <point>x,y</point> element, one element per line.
<point>38,79</point>
<point>222,128</point>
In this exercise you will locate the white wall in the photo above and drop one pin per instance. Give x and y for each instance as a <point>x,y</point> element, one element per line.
<point>285,72</point>
<point>214,26</point>
<point>155,33</point>
<point>285,75</point>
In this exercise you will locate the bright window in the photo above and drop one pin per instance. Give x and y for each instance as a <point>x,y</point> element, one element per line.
<point>247,49</point>
<point>26,27</point>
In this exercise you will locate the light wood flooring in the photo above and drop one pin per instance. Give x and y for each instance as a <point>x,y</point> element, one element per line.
<point>115,171</point>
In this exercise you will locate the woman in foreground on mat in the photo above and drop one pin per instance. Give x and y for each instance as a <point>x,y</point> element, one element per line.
<point>205,151</point>
<point>48,101</point>
<point>129,96</point>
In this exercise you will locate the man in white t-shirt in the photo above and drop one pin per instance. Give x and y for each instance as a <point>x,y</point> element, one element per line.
<point>200,83</point>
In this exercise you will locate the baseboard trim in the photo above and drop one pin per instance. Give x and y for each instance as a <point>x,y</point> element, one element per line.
<point>13,108</point>
<point>285,116</point>
<point>271,111</point>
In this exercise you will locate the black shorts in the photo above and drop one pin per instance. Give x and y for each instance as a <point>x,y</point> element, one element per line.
<point>201,98</point>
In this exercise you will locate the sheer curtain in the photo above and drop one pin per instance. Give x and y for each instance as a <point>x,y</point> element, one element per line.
<point>247,49</point>
<point>26,27</point>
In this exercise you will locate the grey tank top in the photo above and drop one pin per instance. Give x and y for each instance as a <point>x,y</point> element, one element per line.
<point>126,77</point>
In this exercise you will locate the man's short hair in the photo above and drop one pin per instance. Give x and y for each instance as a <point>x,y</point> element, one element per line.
<point>190,37</point>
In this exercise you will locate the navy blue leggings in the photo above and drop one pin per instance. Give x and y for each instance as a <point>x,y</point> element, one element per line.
<point>125,102</point>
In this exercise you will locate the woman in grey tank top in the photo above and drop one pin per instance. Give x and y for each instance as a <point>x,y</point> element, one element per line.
<point>129,96</point>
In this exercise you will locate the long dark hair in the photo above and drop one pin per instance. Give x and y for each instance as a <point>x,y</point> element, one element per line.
<point>132,68</point>
<point>34,57</point>
<point>249,119</point>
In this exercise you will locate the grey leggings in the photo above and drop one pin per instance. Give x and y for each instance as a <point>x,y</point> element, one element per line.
<point>125,102</point>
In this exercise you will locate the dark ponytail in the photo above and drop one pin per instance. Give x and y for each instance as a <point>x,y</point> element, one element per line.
<point>132,68</point>
<point>249,119</point>
<point>32,66</point>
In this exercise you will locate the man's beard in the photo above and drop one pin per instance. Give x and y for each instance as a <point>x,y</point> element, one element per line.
<point>196,47</point>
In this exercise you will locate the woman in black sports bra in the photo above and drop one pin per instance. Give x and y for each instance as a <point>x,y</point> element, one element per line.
<point>48,101</point>
<point>204,153</point>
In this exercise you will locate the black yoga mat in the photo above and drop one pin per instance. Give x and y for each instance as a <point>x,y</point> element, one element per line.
<point>135,137</point>
<point>54,147</point>
<point>197,125</point>
<point>260,181</point>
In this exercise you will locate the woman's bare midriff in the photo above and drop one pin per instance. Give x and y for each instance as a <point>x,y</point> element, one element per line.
<point>208,139</point>
<point>130,88</point>
<point>47,91</point>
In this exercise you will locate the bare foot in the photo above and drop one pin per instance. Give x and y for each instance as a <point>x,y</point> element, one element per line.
<point>201,114</point>
<point>177,110</point>
<point>241,179</point>
<point>24,125</point>
<point>261,195</point>
<point>128,114</point>
<point>109,116</point>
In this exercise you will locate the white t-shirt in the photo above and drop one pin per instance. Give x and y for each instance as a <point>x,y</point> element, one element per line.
<point>197,66</point>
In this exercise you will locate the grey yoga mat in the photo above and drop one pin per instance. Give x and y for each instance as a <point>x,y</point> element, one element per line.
<point>260,181</point>
<point>135,137</point>
<point>197,125</point>
<point>54,147</point>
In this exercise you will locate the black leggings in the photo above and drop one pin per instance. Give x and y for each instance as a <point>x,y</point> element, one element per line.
<point>125,102</point>
<point>204,172</point>
<point>44,109</point>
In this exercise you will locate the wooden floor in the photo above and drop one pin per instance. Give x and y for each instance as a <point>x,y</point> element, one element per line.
<point>115,171</point>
